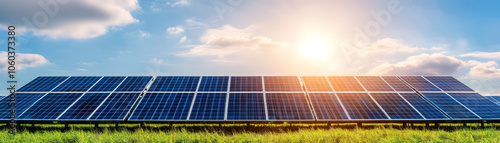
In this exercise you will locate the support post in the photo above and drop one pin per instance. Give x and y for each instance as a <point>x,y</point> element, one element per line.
<point>66,126</point>
<point>436,124</point>
<point>96,125</point>
<point>116,125</point>
<point>329,125</point>
<point>33,125</point>
<point>404,125</point>
<point>142,124</point>
<point>360,125</point>
<point>220,125</point>
<point>18,125</point>
<point>171,125</point>
<point>426,124</point>
<point>465,123</point>
<point>248,124</point>
<point>482,123</point>
<point>412,126</point>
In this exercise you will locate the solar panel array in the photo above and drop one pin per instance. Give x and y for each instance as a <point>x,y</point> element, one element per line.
<point>250,98</point>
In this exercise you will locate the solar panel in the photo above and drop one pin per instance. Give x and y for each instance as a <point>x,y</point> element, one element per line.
<point>115,107</point>
<point>77,84</point>
<point>134,83</point>
<point>316,83</point>
<point>327,106</point>
<point>246,83</point>
<point>395,106</point>
<point>214,83</point>
<point>397,84</point>
<point>23,101</point>
<point>50,106</point>
<point>448,83</point>
<point>288,106</point>
<point>483,107</point>
<point>282,83</point>
<point>107,84</point>
<point>246,106</point>
<point>42,84</point>
<point>450,106</point>
<point>175,83</point>
<point>424,107</point>
<point>209,106</point>
<point>83,108</point>
<point>496,98</point>
<point>361,106</point>
<point>374,83</point>
<point>419,83</point>
<point>345,83</point>
<point>163,106</point>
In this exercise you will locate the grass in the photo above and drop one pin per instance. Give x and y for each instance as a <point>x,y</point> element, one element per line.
<point>343,133</point>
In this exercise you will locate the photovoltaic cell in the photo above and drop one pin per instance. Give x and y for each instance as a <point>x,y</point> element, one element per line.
<point>246,106</point>
<point>134,83</point>
<point>448,83</point>
<point>246,83</point>
<point>374,83</point>
<point>483,107</point>
<point>395,106</point>
<point>209,106</point>
<point>419,83</point>
<point>495,99</point>
<point>50,106</point>
<point>23,101</point>
<point>424,107</point>
<point>163,106</point>
<point>361,106</point>
<point>345,83</point>
<point>450,106</point>
<point>77,84</point>
<point>214,83</point>
<point>397,84</point>
<point>107,83</point>
<point>175,83</point>
<point>282,83</point>
<point>316,83</point>
<point>116,107</point>
<point>288,106</point>
<point>83,108</point>
<point>327,106</point>
<point>42,84</point>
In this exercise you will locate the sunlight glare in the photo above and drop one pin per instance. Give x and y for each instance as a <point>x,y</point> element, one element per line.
<point>316,47</point>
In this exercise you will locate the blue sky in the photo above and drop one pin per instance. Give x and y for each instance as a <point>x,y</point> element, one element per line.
<point>258,37</point>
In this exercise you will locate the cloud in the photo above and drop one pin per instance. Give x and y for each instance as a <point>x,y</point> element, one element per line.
<point>183,39</point>
<point>485,55</point>
<point>228,40</point>
<point>157,61</point>
<point>423,64</point>
<point>22,61</point>
<point>485,70</point>
<point>69,18</point>
<point>144,34</point>
<point>179,3</point>
<point>88,63</point>
<point>80,69</point>
<point>175,30</point>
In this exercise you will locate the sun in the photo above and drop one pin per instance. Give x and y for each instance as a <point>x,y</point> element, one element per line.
<point>316,47</point>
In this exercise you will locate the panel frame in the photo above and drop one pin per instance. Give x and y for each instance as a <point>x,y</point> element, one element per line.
<point>333,92</point>
<point>387,115</point>
<point>404,99</point>
<point>79,98</point>
<point>88,119</point>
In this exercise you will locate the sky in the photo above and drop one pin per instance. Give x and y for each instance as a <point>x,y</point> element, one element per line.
<point>255,37</point>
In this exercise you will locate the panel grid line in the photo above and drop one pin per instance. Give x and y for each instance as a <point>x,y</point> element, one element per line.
<point>194,98</point>
<point>403,98</point>
<point>106,98</point>
<point>43,96</point>
<point>265,100</point>
<point>389,117</point>
<point>335,93</point>
<point>79,98</point>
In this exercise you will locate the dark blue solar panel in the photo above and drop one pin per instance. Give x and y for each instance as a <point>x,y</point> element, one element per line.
<point>246,83</point>
<point>23,101</point>
<point>50,106</point>
<point>361,106</point>
<point>209,106</point>
<point>316,83</point>
<point>134,83</point>
<point>288,106</point>
<point>424,107</point>
<point>282,83</point>
<point>495,99</point>
<point>214,83</point>
<point>374,83</point>
<point>396,83</point>
<point>116,107</point>
<point>175,83</point>
<point>483,107</point>
<point>448,83</point>
<point>163,106</point>
<point>77,84</point>
<point>107,83</point>
<point>83,108</point>
<point>327,106</point>
<point>395,106</point>
<point>450,106</point>
<point>420,83</point>
<point>246,106</point>
<point>42,84</point>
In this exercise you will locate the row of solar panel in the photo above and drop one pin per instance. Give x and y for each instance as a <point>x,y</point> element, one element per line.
<point>495,99</point>
<point>245,84</point>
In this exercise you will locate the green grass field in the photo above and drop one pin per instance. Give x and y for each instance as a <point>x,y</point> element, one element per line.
<point>235,133</point>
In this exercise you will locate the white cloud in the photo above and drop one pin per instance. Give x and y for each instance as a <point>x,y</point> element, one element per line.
<point>22,61</point>
<point>183,39</point>
<point>157,61</point>
<point>423,64</point>
<point>485,55</point>
<point>80,69</point>
<point>88,63</point>
<point>485,70</point>
<point>144,34</point>
<point>154,7</point>
<point>67,19</point>
<point>179,3</point>
<point>175,30</point>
